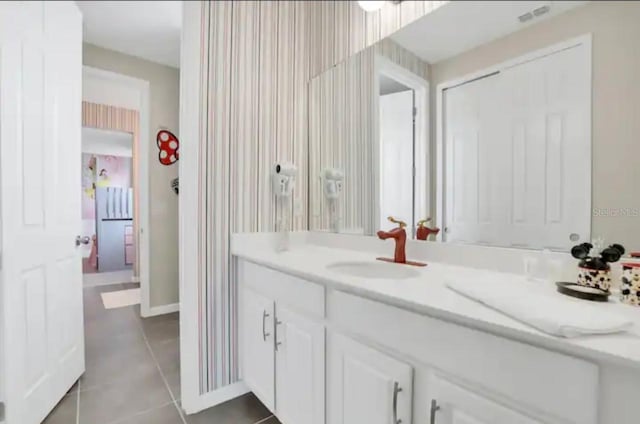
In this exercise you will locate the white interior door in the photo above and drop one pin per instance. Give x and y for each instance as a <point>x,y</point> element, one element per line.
<point>518,154</point>
<point>40,101</point>
<point>396,157</point>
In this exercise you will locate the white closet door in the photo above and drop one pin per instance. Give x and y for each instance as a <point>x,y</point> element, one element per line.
<point>475,164</point>
<point>518,154</point>
<point>549,112</point>
<point>40,123</point>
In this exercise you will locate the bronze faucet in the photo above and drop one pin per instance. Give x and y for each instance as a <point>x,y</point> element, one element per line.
<point>399,234</point>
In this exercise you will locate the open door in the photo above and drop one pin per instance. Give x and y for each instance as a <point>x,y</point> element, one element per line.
<point>40,123</point>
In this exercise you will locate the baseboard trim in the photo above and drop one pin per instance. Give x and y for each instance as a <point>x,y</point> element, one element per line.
<point>211,399</point>
<point>160,310</point>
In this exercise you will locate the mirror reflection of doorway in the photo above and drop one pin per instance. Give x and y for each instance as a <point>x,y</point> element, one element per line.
<point>397,147</point>
<point>109,251</point>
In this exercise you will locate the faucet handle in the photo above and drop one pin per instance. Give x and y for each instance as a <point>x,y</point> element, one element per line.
<point>423,221</point>
<point>401,224</point>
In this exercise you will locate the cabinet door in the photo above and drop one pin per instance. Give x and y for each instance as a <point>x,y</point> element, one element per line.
<point>453,404</point>
<point>258,363</point>
<point>367,386</point>
<point>299,368</point>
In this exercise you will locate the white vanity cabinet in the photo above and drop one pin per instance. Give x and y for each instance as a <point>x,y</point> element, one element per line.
<point>258,354</point>
<point>367,386</point>
<point>299,368</point>
<point>454,404</point>
<point>311,350</point>
<point>283,344</point>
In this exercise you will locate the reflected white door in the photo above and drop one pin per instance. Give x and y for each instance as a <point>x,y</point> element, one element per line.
<point>518,154</point>
<point>396,158</point>
<point>40,121</point>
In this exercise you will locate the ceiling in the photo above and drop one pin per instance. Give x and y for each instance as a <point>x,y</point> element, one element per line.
<point>459,26</point>
<point>107,142</point>
<point>146,29</point>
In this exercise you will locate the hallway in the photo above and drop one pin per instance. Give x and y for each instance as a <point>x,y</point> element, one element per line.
<point>133,373</point>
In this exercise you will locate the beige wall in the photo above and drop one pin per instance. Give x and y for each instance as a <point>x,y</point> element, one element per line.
<point>616,100</point>
<point>163,216</point>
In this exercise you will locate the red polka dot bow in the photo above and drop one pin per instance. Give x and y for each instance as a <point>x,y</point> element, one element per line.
<point>168,144</point>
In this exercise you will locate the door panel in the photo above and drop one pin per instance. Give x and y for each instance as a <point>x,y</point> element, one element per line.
<point>40,99</point>
<point>460,405</point>
<point>299,369</point>
<point>258,346</point>
<point>364,382</point>
<point>518,154</point>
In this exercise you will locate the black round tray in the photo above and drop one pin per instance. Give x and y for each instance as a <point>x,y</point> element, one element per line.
<point>582,292</point>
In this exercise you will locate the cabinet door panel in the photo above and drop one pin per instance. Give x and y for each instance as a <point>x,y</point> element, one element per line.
<point>258,353</point>
<point>367,386</point>
<point>299,369</point>
<point>460,405</point>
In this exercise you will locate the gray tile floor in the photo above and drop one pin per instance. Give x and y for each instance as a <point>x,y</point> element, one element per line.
<point>133,373</point>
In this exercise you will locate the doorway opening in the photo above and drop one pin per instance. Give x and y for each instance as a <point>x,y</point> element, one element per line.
<point>403,180</point>
<point>109,251</point>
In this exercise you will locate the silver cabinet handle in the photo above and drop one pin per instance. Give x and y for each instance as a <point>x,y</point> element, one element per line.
<point>82,240</point>
<point>396,389</point>
<point>434,408</point>
<point>264,332</point>
<point>275,339</point>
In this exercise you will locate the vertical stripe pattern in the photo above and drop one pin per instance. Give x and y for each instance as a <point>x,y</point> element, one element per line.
<point>343,128</point>
<point>256,61</point>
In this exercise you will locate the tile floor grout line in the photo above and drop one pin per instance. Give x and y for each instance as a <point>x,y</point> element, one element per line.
<point>264,419</point>
<point>164,379</point>
<point>78,402</point>
<point>136,414</point>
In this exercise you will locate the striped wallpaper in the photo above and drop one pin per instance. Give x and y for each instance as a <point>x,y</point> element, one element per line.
<point>256,62</point>
<point>106,117</point>
<point>343,133</point>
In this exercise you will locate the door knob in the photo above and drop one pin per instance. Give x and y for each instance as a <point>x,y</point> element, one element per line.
<point>82,240</point>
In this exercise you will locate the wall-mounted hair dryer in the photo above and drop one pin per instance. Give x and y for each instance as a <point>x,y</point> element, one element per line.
<point>332,179</point>
<point>283,178</point>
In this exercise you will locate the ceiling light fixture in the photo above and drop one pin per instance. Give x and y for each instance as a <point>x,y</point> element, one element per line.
<point>372,6</point>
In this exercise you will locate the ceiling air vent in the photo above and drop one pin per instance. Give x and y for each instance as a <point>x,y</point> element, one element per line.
<point>526,17</point>
<point>541,10</point>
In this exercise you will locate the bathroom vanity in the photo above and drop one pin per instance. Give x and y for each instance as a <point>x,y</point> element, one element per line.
<point>322,344</point>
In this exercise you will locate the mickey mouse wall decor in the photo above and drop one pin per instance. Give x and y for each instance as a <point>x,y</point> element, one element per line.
<point>168,145</point>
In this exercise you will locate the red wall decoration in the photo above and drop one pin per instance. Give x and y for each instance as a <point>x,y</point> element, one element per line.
<point>168,144</point>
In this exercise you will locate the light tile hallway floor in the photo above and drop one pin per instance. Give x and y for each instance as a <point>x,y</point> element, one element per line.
<point>133,373</point>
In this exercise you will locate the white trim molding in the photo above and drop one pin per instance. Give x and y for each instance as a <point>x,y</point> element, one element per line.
<point>162,310</point>
<point>189,174</point>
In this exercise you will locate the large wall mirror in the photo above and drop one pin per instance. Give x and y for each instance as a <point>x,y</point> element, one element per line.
<point>513,123</point>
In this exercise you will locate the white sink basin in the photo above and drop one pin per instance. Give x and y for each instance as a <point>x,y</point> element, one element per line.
<point>377,270</point>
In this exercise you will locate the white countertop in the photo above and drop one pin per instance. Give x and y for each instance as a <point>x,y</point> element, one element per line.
<point>428,295</point>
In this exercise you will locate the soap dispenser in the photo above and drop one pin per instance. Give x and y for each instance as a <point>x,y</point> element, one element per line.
<point>332,179</point>
<point>283,180</point>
